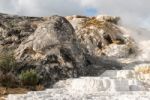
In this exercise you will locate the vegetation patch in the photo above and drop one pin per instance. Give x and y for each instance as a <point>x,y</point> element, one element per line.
<point>7,62</point>
<point>94,22</point>
<point>143,68</point>
<point>29,77</point>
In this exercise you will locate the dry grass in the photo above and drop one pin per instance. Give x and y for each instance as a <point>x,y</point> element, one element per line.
<point>109,28</point>
<point>39,88</point>
<point>93,22</point>
<point>5,91</point>
<point>20,90</point>
<point>106,26</point>
<point>144,68</point>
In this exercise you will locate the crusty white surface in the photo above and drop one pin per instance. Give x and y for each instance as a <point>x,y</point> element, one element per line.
<point>111,85</point>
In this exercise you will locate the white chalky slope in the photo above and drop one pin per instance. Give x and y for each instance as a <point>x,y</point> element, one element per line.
<point>111,85</point>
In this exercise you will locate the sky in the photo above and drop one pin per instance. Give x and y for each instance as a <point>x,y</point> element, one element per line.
<point>132,12</point>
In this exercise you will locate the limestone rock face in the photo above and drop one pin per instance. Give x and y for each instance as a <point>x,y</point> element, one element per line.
<point>101,34</point>
<point>118,51</point>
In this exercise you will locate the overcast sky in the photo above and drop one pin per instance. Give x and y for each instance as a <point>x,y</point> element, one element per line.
<point>133,12</point>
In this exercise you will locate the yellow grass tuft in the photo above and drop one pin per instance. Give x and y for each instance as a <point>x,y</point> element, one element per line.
<point>94,22</point>
<point>143,68</point>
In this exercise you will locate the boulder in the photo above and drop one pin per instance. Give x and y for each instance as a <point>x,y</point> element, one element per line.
<point>52,49</point>
<point>56,31</point>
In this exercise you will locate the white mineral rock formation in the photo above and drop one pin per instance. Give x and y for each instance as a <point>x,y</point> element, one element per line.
<point>145,50</point>
<point>111,85</point>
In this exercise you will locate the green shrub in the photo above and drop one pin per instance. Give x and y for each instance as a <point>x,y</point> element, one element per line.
<point>7,65</point>
<point>7,62</point>
<point>29,77</point>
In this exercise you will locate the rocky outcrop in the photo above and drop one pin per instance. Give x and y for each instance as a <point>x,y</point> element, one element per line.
<point>59,48</point>
<point>53,50</point>
<point>95,33</point>
<point>56,31</point>
<point>15,29</point>
<point>102,35</point>
<point>112,19</point>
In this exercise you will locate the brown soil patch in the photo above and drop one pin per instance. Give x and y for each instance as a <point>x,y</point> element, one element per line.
<point>5,91</point>
<point>20,90</point>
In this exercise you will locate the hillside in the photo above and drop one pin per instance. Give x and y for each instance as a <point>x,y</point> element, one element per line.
<point>55,48</point>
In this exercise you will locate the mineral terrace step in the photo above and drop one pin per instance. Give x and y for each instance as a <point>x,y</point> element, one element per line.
<point>96,84</point>
<point>110,73</point>
<point>118,73</point>
<point>111,85</point>
<point>128,74</point>
<point>141,95</point>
